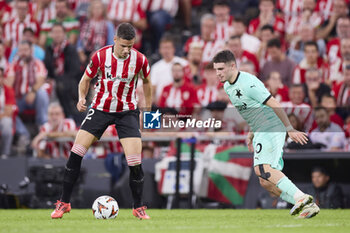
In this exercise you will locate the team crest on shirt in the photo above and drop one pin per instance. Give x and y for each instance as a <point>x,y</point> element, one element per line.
<point>132,69</point>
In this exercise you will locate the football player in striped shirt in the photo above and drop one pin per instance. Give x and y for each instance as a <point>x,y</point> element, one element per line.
<point>117,68</point>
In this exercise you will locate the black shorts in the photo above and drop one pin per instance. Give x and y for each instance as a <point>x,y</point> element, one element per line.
<point>127,123</point>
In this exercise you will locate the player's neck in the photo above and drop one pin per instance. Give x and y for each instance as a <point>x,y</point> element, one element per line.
<point>234,77</point>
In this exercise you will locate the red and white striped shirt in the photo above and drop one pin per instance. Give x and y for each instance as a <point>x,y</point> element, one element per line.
<point>224,30</point>
<point>183,98</point>
<point>25,75</point>
<point>122,10</point>
<point>290,8</point>
<point>154,5</point>
<point>210,48</point>
<point>300,70</point>
<point>333,50</point>
<point>115,90</point>
<point>277,23</point>
<point>13,30</point>
<point>52,147</point>
<point>293,26</point>
<point>325,8</point>
<point>341,92</point>
<point>207,94</point>
<point>302,111</point>
<point>46,14</point>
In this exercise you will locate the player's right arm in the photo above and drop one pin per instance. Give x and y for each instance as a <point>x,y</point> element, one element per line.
<point>84,86</point>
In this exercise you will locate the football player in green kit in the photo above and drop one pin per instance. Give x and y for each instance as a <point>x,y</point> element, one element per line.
<point>268,127</point>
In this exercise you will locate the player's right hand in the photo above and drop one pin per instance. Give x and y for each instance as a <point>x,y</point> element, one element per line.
<point>81,105</point>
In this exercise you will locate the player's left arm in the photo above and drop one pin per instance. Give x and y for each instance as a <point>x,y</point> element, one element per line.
<point>297,136</point>
<point>147,90</point>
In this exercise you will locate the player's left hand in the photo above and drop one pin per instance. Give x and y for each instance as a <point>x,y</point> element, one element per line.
<point>298,137</point>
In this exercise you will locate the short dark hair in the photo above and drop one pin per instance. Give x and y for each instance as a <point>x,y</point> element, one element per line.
<point>221,3</point>
<point>240,19</point>
<point>27,29</point>
<point>296,85</point>
<point>274,43</point>
<point>311,43</point>
<point>126,31</point>
<point>327,95</point>
<point>320,108</point>
<point>267,27</point>
<point>167,38</point>
<point>224,56</point>
<point>320,169</point>
<point>235,37</point>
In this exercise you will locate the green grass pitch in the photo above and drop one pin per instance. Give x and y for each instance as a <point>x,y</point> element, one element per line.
<point>195,221</point>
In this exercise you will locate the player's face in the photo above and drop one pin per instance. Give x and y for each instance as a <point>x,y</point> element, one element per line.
<point>224,71</point>
<point>123,47</point>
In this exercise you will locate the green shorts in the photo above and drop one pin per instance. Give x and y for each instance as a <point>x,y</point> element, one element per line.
<point>268,148</point>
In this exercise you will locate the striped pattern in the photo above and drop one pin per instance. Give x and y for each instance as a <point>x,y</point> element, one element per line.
<point>115,90</point>
<point>13,29</point>
<point>79,150</point>
<point>133,160</point>
<point>46,14</point>
<point>210,48</point>
<point>122,10</point>
<point>155,5</point>
<point>52,147</point>
<point>20,71</point>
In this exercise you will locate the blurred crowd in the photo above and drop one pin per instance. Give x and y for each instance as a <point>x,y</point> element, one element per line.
<point>300,49</point>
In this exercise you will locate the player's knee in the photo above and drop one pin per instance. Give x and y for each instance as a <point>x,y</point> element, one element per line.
<point>136,173</point>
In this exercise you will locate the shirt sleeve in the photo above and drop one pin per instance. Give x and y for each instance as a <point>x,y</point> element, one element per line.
<point>92,68</point>
<point>257,90</point>
<point>145,70</point>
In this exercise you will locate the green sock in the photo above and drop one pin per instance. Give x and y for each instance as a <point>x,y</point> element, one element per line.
<point>284,196</point>
<point>287,187</point>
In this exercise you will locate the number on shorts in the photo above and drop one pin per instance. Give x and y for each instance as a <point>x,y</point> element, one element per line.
<point>88,116</point>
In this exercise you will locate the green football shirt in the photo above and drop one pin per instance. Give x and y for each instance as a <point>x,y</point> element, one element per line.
<point>249,95</point>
